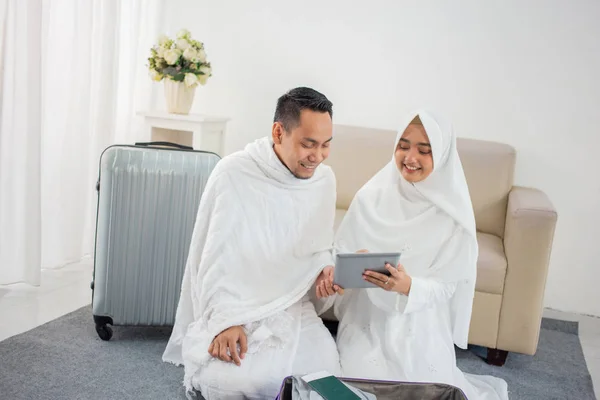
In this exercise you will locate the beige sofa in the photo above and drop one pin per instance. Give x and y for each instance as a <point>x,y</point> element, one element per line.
<point>515,232</point>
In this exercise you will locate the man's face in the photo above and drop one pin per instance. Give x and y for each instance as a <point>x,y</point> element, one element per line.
<point>305,146</point>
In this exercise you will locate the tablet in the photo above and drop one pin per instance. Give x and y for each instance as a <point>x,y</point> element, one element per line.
<point>349,268</point>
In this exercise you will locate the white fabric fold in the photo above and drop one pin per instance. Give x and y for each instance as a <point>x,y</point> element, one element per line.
<point>425,293</point>
<point>261,238</point>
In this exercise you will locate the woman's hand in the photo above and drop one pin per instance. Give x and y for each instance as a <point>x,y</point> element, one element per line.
<point>398,281</point>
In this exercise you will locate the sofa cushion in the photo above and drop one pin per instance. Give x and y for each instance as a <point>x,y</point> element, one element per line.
<point>489,169</point>
<point>358,153</point>
<point>491,264</point>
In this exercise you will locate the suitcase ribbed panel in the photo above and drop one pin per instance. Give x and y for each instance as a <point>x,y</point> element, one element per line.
<point>147,208</point>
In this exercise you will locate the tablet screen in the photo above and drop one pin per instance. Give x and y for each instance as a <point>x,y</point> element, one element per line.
<point>349,268</point>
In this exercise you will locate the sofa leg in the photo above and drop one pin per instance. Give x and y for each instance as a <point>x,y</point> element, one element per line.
<point>496,357</point>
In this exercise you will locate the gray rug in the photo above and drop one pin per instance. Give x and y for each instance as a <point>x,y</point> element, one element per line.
<point>65,359</point>
<point>557,371</point>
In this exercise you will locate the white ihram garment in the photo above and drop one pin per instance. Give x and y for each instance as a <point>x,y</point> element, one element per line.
<point>261,238</point>
<point>385,335</point>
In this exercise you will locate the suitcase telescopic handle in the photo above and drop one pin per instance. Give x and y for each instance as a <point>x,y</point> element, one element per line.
<point>170,144</point>
<point>149,144</point>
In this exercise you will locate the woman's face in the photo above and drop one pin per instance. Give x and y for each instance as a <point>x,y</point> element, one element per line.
<point>413,154</point>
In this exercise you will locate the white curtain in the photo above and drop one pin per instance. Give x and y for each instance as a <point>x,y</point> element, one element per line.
<point>93,81</point>
<point>20,139</point>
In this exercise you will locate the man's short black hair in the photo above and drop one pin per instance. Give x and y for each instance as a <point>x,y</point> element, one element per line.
<point>293,102</point>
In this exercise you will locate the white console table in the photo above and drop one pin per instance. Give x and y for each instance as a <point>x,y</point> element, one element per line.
<point>202,132</point>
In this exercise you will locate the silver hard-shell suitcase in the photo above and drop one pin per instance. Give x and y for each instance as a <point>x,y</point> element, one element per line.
<point>148,197</point>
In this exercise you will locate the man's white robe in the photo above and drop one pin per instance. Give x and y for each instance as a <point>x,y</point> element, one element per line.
<point>261,238</point>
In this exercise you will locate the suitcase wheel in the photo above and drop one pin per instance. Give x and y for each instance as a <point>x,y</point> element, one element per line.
<point>104,331</point>
<point>102,328</point>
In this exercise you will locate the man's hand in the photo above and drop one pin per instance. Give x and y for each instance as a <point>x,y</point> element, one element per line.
<point>224,346</point>
<point>324,283</point>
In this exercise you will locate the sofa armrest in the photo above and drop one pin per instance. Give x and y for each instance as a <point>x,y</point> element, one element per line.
<point>529,233</point>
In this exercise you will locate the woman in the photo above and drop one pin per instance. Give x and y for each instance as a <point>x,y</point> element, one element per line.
<point>405,328</point>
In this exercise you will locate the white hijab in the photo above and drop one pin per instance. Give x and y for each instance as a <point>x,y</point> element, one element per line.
<point>391,214</point>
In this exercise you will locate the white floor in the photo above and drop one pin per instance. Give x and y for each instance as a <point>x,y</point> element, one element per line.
<point>23,307</point>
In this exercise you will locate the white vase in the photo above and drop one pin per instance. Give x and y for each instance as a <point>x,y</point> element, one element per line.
<point>179,97</point>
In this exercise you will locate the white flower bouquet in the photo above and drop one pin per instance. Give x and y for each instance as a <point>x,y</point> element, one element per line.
<point>181,60</point>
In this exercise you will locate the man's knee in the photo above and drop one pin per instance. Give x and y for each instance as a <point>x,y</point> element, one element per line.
<point>226,380</point>
<point>317,351</point>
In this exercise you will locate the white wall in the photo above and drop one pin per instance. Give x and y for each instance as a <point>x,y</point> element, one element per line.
<point>520,72</point>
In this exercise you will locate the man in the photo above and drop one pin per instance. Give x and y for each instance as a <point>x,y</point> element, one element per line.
<point>262,240</point>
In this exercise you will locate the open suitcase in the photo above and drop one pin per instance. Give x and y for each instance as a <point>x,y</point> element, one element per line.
<point>387,390</point>
<point>148,197</point>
